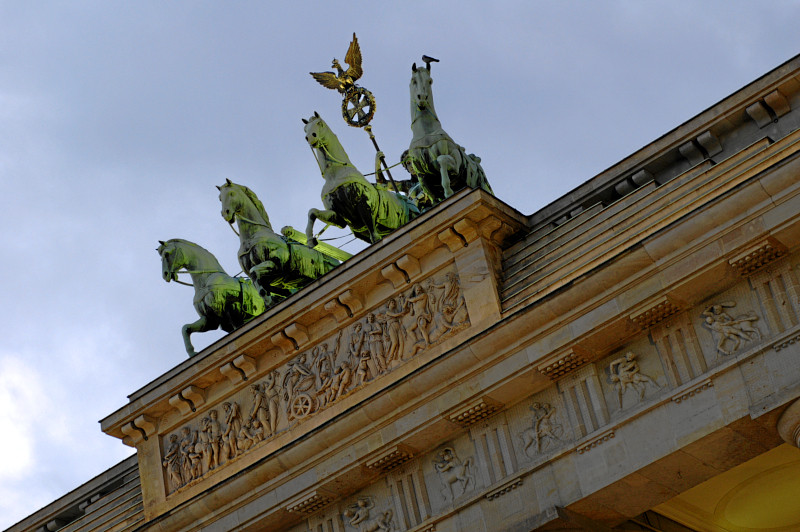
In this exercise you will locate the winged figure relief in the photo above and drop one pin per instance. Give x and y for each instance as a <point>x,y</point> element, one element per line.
<point>343,80</point>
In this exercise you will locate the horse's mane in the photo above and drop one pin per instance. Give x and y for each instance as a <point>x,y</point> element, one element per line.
<point>257,202</point>
<point>189,243</point>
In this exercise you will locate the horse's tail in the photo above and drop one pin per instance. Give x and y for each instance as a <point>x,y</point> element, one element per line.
<point>476,177</point>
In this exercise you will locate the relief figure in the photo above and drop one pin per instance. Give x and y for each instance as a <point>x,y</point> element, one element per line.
<point>358,516</point>
<point>272,393</point>
<point>625,372</point>
<point>172,461</point>
<point>374,332</point>
<point>419,305</point>
<point>233,420</point>
<point>452,471</point>
<point>394,331</point>
<point>297,381</point>
<point>545,431</point>
<point>727,331</point>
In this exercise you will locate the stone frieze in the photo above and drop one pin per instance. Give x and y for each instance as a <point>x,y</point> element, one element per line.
<point>404,326</point>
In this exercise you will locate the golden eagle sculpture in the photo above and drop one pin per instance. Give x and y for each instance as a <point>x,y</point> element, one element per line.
<point>343,80</point>
<point>358,104</point>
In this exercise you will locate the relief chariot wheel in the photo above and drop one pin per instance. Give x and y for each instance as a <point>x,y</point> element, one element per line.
<point>302,405</point>
<point>358,107</point>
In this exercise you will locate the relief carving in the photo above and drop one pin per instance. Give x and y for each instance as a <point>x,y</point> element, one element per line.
<point>546,429</point>
<point>453,471</point>
<point>624,373</point>
<point>314,379</point>
<point>727,331</point>
<point>358,516</point>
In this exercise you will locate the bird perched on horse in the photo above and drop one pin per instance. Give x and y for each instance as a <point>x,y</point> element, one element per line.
<point>441,166</point>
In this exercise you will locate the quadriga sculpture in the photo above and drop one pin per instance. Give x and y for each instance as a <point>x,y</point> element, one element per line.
<point>278,266</point>
<point>349,199</point>
<point>441,166</point>
<point>221,301</point>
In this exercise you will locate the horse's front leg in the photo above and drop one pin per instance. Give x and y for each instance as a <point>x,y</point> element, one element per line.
<point>327,216</point>
<point>201,325</point>
<point>446,164</point>
<point>262,269</point>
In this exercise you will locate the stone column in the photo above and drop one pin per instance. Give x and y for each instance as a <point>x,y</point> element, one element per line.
<point>789,424</point>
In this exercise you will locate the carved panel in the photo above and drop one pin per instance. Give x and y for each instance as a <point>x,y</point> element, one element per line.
<point>365,515</point>
<point>539,426</point>
<point>456,475</point>
<point>584,398</point>
<point>493,445</point>
<point>627,382</point>
<point>730,334</point>
<point>425,315</point>
<point>410,495</point>
<point>779,294</point>
<point>329,520</point>
<point>546,430</point>
<point>679,350</point>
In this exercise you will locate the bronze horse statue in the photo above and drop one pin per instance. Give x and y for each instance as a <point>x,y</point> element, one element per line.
<point>370,211</point>
<point>278,266</point>
<point>440,165</point>
<point>221,301</point>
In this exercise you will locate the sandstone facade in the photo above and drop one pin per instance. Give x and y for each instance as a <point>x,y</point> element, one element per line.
<point>628,355</point>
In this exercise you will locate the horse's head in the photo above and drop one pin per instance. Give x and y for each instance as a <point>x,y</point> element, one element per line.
<point>238,200</point>
<point>171,259</point>
<point>316,130</point>
<point>232,199</point>
<point>420,88</point>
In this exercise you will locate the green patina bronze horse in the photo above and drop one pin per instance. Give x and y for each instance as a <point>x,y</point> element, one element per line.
<point>278,266</point>
<point>221,301</point>
<point>350,200</point>
<point>441,166</point>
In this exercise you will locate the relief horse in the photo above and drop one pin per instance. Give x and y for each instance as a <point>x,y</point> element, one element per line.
<point>350,200</point>
<point>221,301</point>
<point>278,266</point>
<point>440,165</point>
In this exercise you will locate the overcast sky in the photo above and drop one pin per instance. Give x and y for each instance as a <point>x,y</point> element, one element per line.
<point>117,120</point>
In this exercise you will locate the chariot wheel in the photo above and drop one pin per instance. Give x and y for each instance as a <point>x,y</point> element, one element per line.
<point>302,405</point>
<point>358,107</point>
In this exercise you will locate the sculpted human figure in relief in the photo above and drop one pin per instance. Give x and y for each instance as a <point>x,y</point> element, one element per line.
<point>172,461</point>
<point>319,377</point>
<point>358,515</point>
<point>272,393</point>
<point>452,471</point>
<point>233,421</point>
<point>374,332</point>
<point>394,331</point>
<point>730,332</point>
<point>625,372</point>
<point>545,429</point>
<point>419,305</point>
